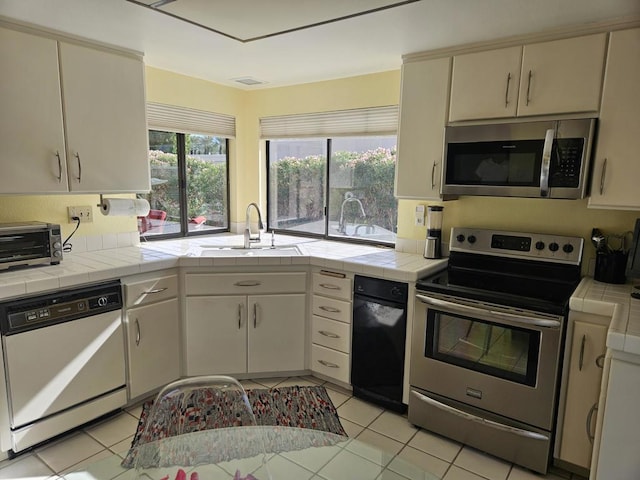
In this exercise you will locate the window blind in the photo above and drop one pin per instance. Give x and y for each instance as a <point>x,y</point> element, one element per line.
<point>362,121</point>
<point>177,119</point>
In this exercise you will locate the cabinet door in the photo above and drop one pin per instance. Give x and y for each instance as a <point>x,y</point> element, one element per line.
<point>583,389</point>
<point>616,166</point>
<point>276,325</point>
<point>563,76</point>
<point>216,335</point>
<point>153,334</point>
<point>105,121</point>
<point>485,84</point>
<point>31,128</point>
<point>423,113</point>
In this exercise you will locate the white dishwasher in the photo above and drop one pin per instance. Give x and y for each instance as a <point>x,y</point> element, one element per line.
<point>64,360</point>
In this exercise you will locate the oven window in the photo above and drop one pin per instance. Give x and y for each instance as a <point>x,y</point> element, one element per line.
<point>495,349</point>
<point>24,246</point>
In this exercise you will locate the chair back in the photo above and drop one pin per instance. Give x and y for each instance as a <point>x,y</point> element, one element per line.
<point>193,405</point>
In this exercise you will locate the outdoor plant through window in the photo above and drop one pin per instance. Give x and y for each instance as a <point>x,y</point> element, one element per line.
<point>202,204</point>
<point>338,187</point>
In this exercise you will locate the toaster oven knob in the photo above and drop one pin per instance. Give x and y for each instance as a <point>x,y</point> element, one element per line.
<point>554,247</point>
<point>57,245</point>
<point>460,238</point>
<point>567,248</point>
<point>472,239</point>
<point>540,245</point>
<point>57,253</point>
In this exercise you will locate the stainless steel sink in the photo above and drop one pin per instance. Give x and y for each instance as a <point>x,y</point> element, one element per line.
<point>258,251</point>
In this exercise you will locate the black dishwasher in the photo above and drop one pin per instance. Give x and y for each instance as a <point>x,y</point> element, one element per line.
<point>378,341</point>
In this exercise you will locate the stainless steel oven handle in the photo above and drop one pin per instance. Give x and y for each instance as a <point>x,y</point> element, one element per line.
<point>546,162</point>
<point>515,318</point>
<point>489,423</point>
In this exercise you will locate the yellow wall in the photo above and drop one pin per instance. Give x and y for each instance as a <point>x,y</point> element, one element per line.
<point>247,164</point>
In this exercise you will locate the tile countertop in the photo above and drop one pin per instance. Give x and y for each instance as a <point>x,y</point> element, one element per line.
<point>88,267</point>
<point>613,301</point>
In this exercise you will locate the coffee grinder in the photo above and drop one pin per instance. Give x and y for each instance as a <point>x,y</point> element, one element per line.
<point>433,245</point>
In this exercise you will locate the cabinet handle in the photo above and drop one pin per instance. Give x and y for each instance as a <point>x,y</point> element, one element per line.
<point>247,283</point>
<point>581,360</point>
<point>433,175</point>
<point>506,93</point>
<point>328,364</point>
<point>59,166</point>
<point>592,412</point>
<point>330,286</point>
<point>151,292</point>
<point>239,316</point>
<point>603,174</point>
<point>328,334</point>
<point>255,315</point>
<point>330,309</point>
<point>600,361</point>
<point>77,155</point>
<point>529,87</point>
<point>137,332</point>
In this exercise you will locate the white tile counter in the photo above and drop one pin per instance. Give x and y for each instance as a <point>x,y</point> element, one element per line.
<point>614,301</point>
<point>98,265</point>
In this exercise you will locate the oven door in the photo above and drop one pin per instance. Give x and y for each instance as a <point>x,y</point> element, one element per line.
<point>483,354</point>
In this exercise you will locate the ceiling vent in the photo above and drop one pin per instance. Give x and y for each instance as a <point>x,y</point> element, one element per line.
<point>249,81</point>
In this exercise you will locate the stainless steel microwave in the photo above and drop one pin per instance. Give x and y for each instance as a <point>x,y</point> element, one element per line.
<point>542,159</point>
<point>29,243</point>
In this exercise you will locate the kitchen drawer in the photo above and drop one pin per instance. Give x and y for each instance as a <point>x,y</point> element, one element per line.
<point>150,290</point>
<point>329,362</point>
<point>331,308</point>
<point>330,333</point>
<point>331,286</point>
<point>244,283</point>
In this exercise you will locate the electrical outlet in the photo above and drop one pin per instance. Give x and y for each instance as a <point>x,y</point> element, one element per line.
<point>419,220</point>
<point>84,213</point>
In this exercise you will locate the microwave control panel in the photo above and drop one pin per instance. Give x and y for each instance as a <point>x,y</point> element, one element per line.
<point>566,162</point>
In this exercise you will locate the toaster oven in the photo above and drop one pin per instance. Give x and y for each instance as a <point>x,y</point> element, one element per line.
<point>29,243</point>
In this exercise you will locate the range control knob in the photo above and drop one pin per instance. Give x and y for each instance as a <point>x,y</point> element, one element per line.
<point>567,248</point>
<point>471,239</point>
<point>460,238</point>
<point>540,245</point>
<point>554,247</point>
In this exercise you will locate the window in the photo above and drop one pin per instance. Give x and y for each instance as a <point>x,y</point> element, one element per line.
<point>333,185</point>
<point>189,173</point>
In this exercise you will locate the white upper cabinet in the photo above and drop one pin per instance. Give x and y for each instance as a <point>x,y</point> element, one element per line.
<point>105,119</point>
<point>94,98</point>
<point>616,164</point>
<point>423,114</point>
<point>485,84</point>
<point>33,154</point>
<point>562,76</point>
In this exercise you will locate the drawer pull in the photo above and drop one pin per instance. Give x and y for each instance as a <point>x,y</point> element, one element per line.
<point>155,290</point>
<point>600,361</point>
<point>330,286</point>
<point>247,283</point>
<point>328,364</point>
<point>328,334</point>
<point>592,412</point>
<point>330,309</point>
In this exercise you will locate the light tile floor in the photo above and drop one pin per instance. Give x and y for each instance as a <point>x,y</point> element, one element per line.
<point>369,423</point>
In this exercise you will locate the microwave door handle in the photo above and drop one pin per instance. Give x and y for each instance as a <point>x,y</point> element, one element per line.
<point>546,162</point>
<point>518,319</point>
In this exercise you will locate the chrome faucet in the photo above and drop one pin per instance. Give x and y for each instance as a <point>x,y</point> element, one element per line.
<point>348,197</point>
<point>248,237</point>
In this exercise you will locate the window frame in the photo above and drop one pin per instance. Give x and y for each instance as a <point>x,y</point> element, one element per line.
<point>181,155</point>
<point>325,235</point>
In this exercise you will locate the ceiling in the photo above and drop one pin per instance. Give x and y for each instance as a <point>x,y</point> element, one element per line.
<point>285,42</point>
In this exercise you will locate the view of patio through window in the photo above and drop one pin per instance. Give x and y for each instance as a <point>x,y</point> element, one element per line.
<point>201,206</point>
<point>338,187</point>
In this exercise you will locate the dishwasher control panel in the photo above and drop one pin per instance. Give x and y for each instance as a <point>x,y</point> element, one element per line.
<point>40,311</point>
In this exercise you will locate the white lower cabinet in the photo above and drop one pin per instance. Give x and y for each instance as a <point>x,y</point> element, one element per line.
<point>331,325</point>
<point>245,333</point>
<point>586,347</point>
<point>153,333</point>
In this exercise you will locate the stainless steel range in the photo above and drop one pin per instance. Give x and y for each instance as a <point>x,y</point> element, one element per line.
<point>487,342</point>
